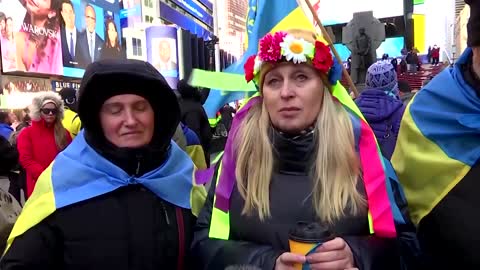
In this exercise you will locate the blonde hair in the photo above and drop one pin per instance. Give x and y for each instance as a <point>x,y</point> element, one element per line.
<point>336,170</point>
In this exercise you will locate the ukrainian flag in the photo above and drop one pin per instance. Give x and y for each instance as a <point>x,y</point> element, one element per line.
<point>194,148</point>
<point>79,173</point>
<point>438,140</point>
<point>264,16</point>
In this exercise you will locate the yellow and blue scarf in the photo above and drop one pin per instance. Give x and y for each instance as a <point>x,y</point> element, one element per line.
<point>438,140</point>
<point>79,173</point>
<point>194,148</point>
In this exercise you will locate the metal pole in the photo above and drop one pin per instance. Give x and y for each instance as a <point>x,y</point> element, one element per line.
<point>215,32</point>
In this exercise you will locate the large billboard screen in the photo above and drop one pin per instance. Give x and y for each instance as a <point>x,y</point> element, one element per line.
<point>31,37</point>
<point>89,31</point>
<point>59,37</point>
<point>17,92</point>
<point>130,13</point>
<point>333,12</point>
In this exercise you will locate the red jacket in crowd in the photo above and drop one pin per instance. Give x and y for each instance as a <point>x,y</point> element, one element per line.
<point>37,149</point>
<point>436,52</point>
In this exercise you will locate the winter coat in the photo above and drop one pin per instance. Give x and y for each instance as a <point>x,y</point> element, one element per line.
<point>72,122</point>
<point>37,149</point>
<point>101,233</point>
<point>8,157</point>
<point>436,52</point>
<point>5,130</point>
<point>253,242</point>
<point>384,114</point>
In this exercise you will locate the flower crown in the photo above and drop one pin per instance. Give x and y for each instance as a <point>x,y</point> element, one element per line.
<point>283,46</point>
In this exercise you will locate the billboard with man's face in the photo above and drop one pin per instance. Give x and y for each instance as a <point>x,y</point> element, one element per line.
<point>162,52</point>
<point>89,31</point>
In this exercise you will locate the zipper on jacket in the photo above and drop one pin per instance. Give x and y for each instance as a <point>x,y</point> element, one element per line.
<point>165,212</point>
<point>139,161</point>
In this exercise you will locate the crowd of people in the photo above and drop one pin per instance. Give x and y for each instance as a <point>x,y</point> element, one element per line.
<point>116,174</point>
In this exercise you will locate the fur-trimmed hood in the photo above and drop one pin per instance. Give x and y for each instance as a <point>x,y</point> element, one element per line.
<point>38,101</point>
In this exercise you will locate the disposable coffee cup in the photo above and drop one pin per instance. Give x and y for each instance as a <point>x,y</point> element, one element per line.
<point>305,236</point>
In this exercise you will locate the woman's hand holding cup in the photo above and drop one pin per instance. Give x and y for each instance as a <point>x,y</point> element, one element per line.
<point>287,261</point>
<point>334,254</point>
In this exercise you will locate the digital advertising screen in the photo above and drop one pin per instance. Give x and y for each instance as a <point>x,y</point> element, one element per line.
<point>89,31</point>
<point>333,12</point>
<point>30,37</point>
<point>130,13</point>
<point>162,51</point>
<point>17,92</point>
<point>58,37</point>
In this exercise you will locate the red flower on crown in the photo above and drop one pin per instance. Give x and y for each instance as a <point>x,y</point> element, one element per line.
<point>322,60</point>
<point>270,50</point>
<point>249,67</point>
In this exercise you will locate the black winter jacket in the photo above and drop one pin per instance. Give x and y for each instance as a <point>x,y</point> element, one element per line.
<point>259,243</point>
<point>127,229</point>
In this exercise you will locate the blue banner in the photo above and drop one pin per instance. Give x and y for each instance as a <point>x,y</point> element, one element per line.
<point>179,19</point>
<point>195,10</point>
<point>162,51</point>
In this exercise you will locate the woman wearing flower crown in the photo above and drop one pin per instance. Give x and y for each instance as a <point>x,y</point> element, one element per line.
<point>293,155</point>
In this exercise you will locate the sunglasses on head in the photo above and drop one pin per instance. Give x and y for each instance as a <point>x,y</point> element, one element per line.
<point>49,111</point>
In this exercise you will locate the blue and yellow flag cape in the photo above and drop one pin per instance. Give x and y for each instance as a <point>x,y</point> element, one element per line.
<point>194,148</point>
<point>264,16</point>
<point>79,173</point>
<point>438,140</point>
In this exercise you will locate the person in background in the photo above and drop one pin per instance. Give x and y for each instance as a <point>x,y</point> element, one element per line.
<point>2,23</point>
<point>14,120</point>
<point>381,106</point>
<point>194,148</point>
<point>18,176</point>
<point>9,205</point>
<point>435,55</point>
<point>293,157</point>
<point>26,120</point>
<point>39,144</point>
<point>394,63</point>
<point>437,159</point>
<point>123,195</point>
<point>73,51</point>
<point>111,48</point>
<point>405,93</point>
<point>429,54</point>
<point>193,115</point>
<point>90,40</point>
<point>5,125</point>
<point>70,121</point>
<point>227,113</point>
<point>40,53</point>
<point>9,54</point>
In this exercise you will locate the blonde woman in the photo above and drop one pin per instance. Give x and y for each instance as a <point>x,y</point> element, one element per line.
<point>39,144</point>
<point>295,158</point>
